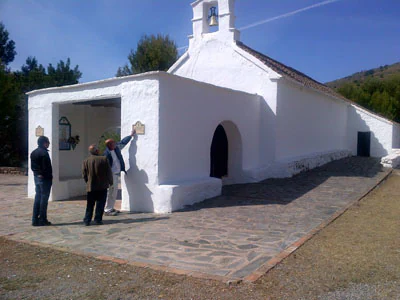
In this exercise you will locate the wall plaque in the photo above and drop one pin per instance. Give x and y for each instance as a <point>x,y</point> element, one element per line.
<point>139,127</point>
<point>39,131</point>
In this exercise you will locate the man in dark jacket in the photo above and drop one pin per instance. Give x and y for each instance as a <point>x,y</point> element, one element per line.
<point>98,177</point>
<point>43,176</point>
<point>117,164</point>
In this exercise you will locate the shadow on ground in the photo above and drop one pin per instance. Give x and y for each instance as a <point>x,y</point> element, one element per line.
<point>285,190</point>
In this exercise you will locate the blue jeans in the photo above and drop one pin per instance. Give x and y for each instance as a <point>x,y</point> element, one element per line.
<point>43,187</point>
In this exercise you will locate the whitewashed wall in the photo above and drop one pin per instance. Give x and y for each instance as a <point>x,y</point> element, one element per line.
<point>222,63</point>
<point>381,131</point>
<point>44,110</point>
<point>189,115</point>
<point>309,123</point>
<point>140,102</point>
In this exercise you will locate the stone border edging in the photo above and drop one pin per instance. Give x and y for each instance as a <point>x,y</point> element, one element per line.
<point>273,262</point>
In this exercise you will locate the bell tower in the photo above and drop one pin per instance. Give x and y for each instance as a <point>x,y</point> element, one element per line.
<point>214,17</point>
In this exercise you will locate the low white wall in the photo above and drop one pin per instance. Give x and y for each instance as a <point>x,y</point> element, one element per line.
<point>380,128</point>
<point>308,122</point>
<point>392,160</point>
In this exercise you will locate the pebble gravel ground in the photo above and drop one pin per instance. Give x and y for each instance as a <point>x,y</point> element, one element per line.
<point>362,291</point>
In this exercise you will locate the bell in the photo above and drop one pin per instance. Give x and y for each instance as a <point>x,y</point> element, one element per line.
<point>213,21</point>
<point>213,16</point>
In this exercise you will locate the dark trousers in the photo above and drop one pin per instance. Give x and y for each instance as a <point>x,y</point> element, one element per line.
<point>98,198</point>
<point>42,187</point>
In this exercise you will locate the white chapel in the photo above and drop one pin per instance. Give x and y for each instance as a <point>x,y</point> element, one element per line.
<point>223,114</point>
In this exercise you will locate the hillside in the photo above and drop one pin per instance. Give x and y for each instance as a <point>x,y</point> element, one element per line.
<point>381,73</point>
<point>376,89</point>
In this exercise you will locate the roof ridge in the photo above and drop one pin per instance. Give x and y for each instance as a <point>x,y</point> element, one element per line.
<point>301,78</point>
<point>290,72</point>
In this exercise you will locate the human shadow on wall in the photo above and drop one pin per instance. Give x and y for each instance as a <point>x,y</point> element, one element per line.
<point>282,191</point>
<point>136,184</point>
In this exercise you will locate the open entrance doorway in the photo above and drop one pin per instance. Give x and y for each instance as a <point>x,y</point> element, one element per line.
<point>88,120</point>
<point>364,143</point>
<point>219,153</point>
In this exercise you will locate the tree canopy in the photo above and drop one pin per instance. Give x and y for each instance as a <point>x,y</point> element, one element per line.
<point>153,53</point>
<point>34,76</point>
<point>7,47</point>
<point>13,101</point>
<point>380,96</point>
<point>9,100</point>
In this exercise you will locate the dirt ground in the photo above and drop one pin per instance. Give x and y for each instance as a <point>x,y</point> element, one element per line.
<point>355,257</point>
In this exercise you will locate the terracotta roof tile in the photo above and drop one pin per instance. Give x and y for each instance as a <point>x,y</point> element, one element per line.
<point>290,73</point>
<point>300,77</point>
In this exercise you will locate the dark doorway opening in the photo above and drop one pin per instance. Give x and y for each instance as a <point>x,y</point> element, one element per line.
<point>219,153</point>
<point>364,143</point>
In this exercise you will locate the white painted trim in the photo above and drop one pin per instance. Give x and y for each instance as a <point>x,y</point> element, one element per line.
<point>211,85</point>
<point>256,62</point>
<point>179,62</point>
<point>198,1</point>
<point>95,98</point>
<point>346,101</point>
<point>195,2</point>
<point>302,86</point>
<point>371,114</point>
<point>94,83</point>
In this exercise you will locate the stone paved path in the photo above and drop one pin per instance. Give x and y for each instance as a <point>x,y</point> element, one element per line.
<point>232,235</point>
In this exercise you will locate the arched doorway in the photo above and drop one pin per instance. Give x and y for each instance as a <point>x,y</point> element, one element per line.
<point>219,153</point>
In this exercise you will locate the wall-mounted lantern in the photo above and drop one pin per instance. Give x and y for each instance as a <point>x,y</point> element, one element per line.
<point>64,133</point>
<point>213,17</point>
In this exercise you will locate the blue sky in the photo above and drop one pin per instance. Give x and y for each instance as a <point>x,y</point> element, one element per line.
<point>333,39</point>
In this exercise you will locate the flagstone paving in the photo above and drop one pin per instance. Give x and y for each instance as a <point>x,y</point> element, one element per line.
<point>232,235</point>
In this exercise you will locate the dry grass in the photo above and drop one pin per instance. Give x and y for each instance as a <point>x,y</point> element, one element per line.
<point>362,246</point>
